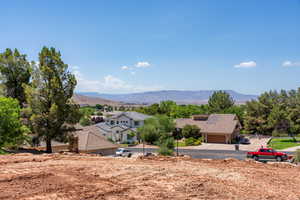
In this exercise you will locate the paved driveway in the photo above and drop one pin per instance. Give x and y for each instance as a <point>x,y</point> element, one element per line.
<point>292,148</point>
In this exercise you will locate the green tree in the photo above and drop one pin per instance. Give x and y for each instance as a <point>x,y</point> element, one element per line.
<point>278,121</point>
<point>166,124</point>
<point>11,129</point>
<point>191,131</point>
<point>293,111</point>
<point>99,106</point>
<point>149,133</point>
<point>220,101</point>
<point>49,98</point>
<point>156,128</point>
<point>15,71</point>
<point>166,107</point>
<point>166,146</point>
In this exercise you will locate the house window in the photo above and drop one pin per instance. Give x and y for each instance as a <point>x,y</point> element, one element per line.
<point>112,122</point>
<point>117,131</point>
<point>136,123</point>
<point>117,122</point>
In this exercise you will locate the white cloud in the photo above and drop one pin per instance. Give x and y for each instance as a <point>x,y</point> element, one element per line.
<point>142,64</point>
<point>132,73</point>
<point>125,67</point>
<point>249,64</point>
<point>290,64</point>
<point>109,84</point>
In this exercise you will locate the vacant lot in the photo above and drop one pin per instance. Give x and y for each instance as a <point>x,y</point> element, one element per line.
<point>92,177</point>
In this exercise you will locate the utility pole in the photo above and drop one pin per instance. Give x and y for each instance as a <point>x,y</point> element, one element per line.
<point>177,147</point>
<point>143,148</point>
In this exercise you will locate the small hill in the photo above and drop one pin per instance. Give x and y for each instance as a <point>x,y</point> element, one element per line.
<point>92,101</point>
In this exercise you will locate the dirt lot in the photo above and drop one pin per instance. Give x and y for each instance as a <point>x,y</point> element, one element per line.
<point>55,176</point>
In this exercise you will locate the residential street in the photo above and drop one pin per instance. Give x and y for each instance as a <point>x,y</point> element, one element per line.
<point>204,154</point>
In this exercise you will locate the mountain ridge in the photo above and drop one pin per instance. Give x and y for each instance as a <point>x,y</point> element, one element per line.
<point>179,96</point>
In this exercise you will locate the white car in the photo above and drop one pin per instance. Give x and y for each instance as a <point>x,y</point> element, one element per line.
<point>123,153</point>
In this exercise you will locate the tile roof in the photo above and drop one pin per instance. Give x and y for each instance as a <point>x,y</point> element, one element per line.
<point>103,126</point>
<point>89,138</point>
<point>216,123</point>
<point>133,115</point>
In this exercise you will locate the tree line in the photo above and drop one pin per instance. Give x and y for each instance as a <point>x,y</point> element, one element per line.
<point>220,102</point>
<point>274,113</point>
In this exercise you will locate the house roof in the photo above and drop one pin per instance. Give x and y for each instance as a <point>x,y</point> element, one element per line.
<point>89,139</point>
<point>216,123</point>
<point>107,128</point>
<point>104,126</point>
<point>132,115</point>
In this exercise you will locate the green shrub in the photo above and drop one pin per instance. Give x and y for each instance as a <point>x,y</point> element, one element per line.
<point>198,142</point>
<point>166,146</point>
<point>165,151</point>
<point>189,131</point>
<point>192,141</point>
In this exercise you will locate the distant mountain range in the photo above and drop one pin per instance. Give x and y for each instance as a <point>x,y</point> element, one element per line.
<point>179,96</point>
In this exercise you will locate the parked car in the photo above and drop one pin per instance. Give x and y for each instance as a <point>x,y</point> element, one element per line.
<point>245,141</point>
<point>268,153</point>
<point>123,152</point>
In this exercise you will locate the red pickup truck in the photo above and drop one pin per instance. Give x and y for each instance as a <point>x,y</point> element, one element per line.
<point>268,153</point>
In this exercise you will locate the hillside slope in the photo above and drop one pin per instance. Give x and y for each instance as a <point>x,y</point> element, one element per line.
<point>92,101</point>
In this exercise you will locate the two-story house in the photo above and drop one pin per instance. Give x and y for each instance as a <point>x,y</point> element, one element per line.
<point>122,127</point>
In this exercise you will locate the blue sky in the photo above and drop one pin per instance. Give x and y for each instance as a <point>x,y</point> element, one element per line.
<point>119,46</point>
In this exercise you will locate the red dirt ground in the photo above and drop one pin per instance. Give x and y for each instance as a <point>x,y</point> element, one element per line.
<point>58,176</point>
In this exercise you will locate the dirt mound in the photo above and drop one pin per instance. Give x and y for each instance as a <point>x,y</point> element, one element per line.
<point>75,176</point>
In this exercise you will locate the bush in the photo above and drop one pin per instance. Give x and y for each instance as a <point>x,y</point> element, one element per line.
<point>165,151</point>
<point>297,156</point>
<point>189,131</point>
<point>192,141</point>
<point>166,146</point>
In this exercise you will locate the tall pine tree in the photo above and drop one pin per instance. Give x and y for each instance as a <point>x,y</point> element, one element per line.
<point>49,98</point>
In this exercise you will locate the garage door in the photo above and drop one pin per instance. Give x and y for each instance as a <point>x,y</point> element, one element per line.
<point>216,139</point>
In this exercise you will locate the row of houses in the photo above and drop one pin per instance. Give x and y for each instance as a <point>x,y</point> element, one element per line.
<point>122,127</point>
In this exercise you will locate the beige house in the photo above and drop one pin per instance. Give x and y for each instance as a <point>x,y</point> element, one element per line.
<point>91,141</point>
<point>215,128</point>
<point>87,139</point>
